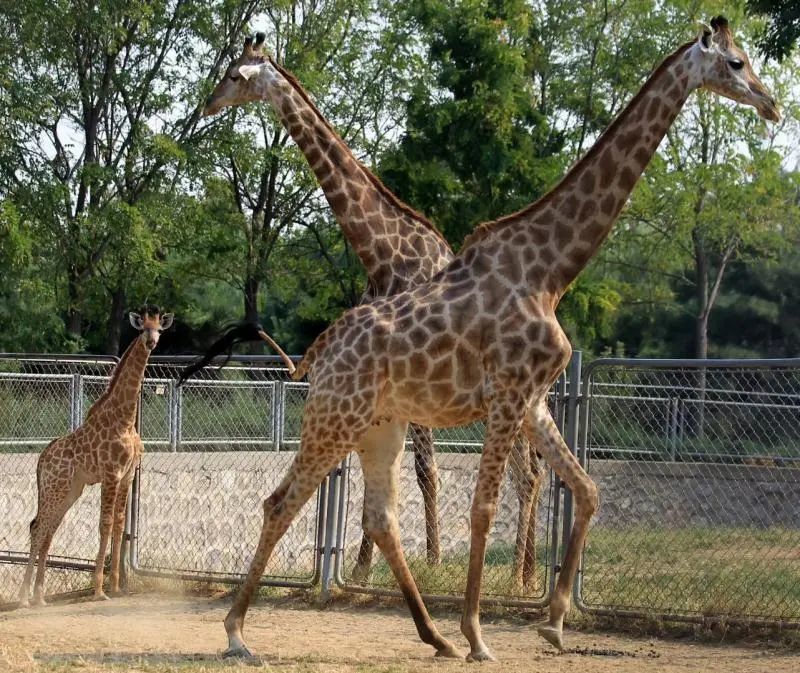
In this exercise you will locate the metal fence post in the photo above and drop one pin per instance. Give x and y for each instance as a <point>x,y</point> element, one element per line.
<point>571,438</point>
<point>277,415</point>
<point>329,548</point>
<point>75,402</point>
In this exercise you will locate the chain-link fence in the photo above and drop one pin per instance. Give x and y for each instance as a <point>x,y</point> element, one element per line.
<point>214,452</point>
<point>697,465</point>
<point>41,398</point>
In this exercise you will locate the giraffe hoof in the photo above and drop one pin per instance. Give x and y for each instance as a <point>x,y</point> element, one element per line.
<point>552,635</point>
<point>39,602</point>
<point>449,651</point>
<point>23,603</point>
<point>481,655</point>
<point>238,652</point>
<point>100,597</point>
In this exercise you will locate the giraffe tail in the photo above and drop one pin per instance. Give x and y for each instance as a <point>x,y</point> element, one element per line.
<point>238,334</point>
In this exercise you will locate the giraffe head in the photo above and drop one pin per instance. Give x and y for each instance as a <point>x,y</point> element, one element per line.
<point>726,70</point>
<point>150,322</point>
<point>240,84</point>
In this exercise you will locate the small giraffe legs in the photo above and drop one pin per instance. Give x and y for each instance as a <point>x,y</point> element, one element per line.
<point>505,417</point>
<point>542,432</point>
<point>118,530</point>
<point>380,461</point>
<point>108,501</point>
<point>55,496</point>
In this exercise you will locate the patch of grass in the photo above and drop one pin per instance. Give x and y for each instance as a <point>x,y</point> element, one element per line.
<point>741,572</point>
<point>450,576</point>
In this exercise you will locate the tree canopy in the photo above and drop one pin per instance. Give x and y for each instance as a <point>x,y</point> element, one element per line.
<point>114,189</point>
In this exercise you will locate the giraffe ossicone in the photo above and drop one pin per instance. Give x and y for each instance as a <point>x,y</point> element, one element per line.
<point>481,341</point>
<point>105,449</point>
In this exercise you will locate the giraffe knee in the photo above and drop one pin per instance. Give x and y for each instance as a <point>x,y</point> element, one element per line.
<point>377,521</point>
<point>590,499</point>
<point>274,504</point>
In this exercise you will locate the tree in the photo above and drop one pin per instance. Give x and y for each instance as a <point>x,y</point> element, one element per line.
<point>104,114</point>
<point>273,193</point>
<point>782,31</point>
<point>475,145</point>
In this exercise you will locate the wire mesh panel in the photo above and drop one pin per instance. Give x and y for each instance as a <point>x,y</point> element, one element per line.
<point>528,487</point>
<point>40,400</point>
<point>698,466</point>
<point>210,461</point>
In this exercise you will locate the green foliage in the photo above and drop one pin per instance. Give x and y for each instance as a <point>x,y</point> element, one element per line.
<point>113,189</point>
<point>782,31</point>
<point>475,146</point>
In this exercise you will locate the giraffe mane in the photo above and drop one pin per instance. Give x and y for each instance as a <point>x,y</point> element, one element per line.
<point>113,379</point>
<point>382,189</point>
<point>486,228</point>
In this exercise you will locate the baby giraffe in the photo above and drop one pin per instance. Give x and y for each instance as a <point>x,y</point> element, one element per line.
<point>105,449</point>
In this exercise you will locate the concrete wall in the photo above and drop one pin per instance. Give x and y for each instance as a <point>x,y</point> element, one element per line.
<point>204,511</point>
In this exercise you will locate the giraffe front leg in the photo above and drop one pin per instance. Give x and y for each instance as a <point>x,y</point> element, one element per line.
<point>541,430</point>
<point>309,468</point>
<point>108,499</point>
<point>506,411</point>
<point>118,530</point>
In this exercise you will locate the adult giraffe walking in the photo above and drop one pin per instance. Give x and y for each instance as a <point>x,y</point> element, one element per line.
<point>481,340</point>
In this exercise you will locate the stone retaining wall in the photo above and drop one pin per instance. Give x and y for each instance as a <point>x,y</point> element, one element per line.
<point>203,511</point>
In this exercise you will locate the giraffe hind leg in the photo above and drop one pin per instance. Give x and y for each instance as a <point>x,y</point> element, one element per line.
<point>316,457</point>
<point>55,497</point>
<point>380,462</point>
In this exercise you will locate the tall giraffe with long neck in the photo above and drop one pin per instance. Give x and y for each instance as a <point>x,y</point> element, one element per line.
<point>481,340</point>
<point>105,449</point>
<point>399,248</point>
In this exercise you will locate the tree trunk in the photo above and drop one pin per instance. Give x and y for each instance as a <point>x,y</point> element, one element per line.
<point>251,299</point>
<point>74,315</point>
<point>251,309</point>
<point>115,321</point>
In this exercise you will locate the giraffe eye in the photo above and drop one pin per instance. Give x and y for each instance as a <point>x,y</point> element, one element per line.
<point>234,78</point>
<point>736,64</point>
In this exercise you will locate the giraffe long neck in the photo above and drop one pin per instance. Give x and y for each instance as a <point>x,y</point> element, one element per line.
<point>398,247</point>
<point>121,399</point>
<point>561,232</point>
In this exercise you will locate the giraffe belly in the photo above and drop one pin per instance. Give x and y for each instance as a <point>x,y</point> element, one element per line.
<point>433,405</point>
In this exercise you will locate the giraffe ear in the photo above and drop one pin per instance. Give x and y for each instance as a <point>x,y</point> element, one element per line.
<point>248,71</point>
<point>166,321</point>
<point>704,38</point>
<point>136,320</point>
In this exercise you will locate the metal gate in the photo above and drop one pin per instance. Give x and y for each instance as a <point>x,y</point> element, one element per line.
<point>698,466</point>
<point>214,452</point>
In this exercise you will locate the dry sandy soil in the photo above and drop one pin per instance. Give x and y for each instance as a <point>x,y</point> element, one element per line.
<point>154,634</point>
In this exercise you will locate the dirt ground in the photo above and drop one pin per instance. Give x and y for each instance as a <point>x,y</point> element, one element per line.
<point>154,634</point>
